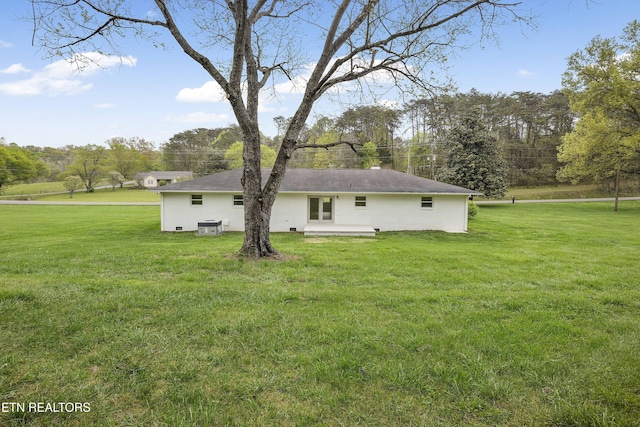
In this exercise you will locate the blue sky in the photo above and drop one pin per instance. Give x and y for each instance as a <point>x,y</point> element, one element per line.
<point>153,93</point>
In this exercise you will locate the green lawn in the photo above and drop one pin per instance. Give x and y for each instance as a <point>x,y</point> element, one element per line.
<point>36,188</point>
<point>565,191</point>
<point>532,318</point>
<point>55,192</point>
<point>558,192</point>
<point>127,195</point>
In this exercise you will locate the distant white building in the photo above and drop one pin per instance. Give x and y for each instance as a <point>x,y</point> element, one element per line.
<point>322,201</point>
<point>158,178</point>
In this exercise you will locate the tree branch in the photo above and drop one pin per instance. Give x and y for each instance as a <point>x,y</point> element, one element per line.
<point>189,50</point>
<point>353,145</point>
<point>120,17</point>
<point>112,21</point>
<point>420,27</point>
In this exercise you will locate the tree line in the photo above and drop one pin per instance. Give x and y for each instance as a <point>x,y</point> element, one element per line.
<point>415,138</point>
<point>522,134</point>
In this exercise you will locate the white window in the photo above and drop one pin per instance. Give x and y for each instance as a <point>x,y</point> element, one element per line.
<point>427,202</point>
<point>238,200</point>
<point>361,201</point>
<point>196,199</point>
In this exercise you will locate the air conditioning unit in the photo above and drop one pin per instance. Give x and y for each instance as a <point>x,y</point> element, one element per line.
<point>209,228</point>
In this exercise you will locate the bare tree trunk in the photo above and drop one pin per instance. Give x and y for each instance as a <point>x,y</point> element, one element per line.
<point>258,204</point>
<point>257,241</point>
<point>259,200</point>
<point>257,209</point>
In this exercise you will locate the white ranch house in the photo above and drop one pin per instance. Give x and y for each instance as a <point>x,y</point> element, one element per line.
<point>322,201</point>
<point>158,178</point>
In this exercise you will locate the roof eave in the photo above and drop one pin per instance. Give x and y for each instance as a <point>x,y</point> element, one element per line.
<point>441,193</point>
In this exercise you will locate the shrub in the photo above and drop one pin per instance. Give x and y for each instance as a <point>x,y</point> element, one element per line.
<point>473,210</point>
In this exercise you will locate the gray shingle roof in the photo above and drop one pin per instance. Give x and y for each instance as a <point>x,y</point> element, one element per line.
<point>163,174</point>
<point>324,181</point>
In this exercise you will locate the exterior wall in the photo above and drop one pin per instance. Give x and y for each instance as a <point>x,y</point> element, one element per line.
<point>177,211</point>
<point>289,211</point>
<point>396,212</point>
<point>386,212</point>
<point>149,182</point>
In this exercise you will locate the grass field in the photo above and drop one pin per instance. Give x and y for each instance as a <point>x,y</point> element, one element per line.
<point>106,195</point>
<point>558,192</point>
<point>50,194</point>
<point>532,318</point>
<point>36,188</point>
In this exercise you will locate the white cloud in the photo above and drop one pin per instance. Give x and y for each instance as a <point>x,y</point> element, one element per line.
<point>15,69</point>
<point>64,77</point>
<point>86,64</point>
<point>208,92</point>
<point>152,14</point>
<point>104,106</point>
<point>525,73</point>
<point>295,86</point>
<point>199,117</point>
<point>211,92</point>
<point>5,44</point>
<point>39,85</point>
<point>298,84</point>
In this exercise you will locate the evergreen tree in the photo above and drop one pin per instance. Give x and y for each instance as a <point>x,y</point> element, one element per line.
<point>475,160</point>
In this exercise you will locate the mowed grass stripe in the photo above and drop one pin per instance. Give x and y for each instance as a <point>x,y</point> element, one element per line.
<point>532,318</point>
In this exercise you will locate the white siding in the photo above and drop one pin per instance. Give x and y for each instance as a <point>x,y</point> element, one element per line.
<point>289,211</point>
<point>177,211</point>
<point>395,212</point>
<point>149,182</point>
<point>387,212</point>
